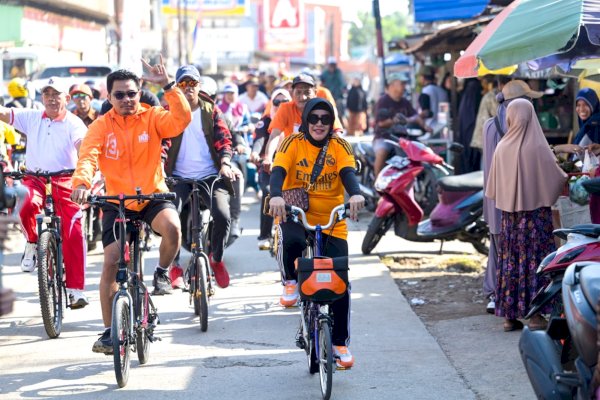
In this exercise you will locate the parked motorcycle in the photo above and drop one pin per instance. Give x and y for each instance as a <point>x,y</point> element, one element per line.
<point>458,215</point>
<point>424,187</point>
<point>92,215</point>
<point>540,350</point>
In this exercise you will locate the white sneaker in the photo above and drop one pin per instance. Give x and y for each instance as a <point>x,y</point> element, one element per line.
<point>77,298</point>
<point>264,244</point>
<point>29,256</point>
<point>491,306</point>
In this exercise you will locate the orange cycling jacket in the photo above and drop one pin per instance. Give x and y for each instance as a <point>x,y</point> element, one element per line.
<point>127,149</point>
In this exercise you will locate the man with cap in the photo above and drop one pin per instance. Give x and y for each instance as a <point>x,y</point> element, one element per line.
<point>289,116</point>
<point>333,79</point>
<point>82,97</point>
<point>253,98</point>
<point>202,150</point>
<point>54,136</point>
<point>493,130</point>
<point>388,111</point>
<point>125,145</point>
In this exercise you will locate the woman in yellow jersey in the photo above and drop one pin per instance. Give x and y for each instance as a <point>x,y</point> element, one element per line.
<point>292,169</point>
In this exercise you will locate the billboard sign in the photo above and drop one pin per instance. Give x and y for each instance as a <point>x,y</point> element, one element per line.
<point>208,8</point>
<point>285,27</point>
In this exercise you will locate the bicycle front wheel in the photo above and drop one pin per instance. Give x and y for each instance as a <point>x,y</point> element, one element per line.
<point>120,331</point>
<point>325,354</point>
<point>201,293</point>
<point>50,284</point>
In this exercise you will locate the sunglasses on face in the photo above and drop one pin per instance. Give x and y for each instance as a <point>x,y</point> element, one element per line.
<point>277,102</point>
<point>121,95</point>
<point>79,96</point>
<point>325,119</point>
<point>184,84</point>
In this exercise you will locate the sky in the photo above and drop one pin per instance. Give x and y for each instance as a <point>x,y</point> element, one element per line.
<point>386,7</point>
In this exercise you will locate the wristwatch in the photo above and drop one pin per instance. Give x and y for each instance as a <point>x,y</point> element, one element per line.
<point>168,86</point>
<point>226,162</point>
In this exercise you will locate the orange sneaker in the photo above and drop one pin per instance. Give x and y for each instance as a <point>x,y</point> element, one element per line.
<point>343,358</point>
<point>289,298</point>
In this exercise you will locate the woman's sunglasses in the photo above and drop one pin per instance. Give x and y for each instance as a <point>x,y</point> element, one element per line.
<point>277,102</point>
<point>121,95</point>
<point>184,84</point>
<point>325,119</point>
<point>79,96</point>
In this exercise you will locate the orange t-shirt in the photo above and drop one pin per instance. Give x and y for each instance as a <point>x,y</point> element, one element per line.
<point>324,93</point>
<point>288,119</point>
<point>298,156</point>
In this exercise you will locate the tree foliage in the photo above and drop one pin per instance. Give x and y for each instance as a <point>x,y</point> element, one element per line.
<point>363,33</point>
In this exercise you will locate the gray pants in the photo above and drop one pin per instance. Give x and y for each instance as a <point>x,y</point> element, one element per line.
<point>491,272</point>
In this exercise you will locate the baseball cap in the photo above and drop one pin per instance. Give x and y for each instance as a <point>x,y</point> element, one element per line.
<point>56,84</point>
<point>187,71</point>
<point>303,78</point>
<point>230,88</point>
<point>517,88</point>
<point>331,60</point>
<point>82,88</point>
<point>398,76</point>
<point>252,81</point>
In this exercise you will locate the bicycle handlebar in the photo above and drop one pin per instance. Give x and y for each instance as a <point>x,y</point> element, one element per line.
<point>121,198</point>
<point>171,180</point>
<point>39,174</point>
<point>338,213</point>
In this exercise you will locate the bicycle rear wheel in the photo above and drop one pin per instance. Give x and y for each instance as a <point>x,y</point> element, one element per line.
<point>120,330</point>
<point>325,354</point>
<point>309,339</point>
<point>50,284</point>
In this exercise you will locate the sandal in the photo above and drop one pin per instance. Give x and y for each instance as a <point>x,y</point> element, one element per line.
<point>512,325</point>
<point>537,323</point>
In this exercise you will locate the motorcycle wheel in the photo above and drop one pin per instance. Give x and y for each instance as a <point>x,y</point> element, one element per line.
<point>425,190</point>
<point>377,228</point>
<point>482,246</point>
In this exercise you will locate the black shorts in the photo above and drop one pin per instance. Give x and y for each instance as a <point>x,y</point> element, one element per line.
<point>147,214</point>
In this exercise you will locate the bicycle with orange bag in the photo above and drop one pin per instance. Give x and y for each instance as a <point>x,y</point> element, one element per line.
<point>321,281</point>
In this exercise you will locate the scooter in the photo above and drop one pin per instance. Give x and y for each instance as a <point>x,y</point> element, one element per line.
<point>458,215</point>
<point>424,186</point>
<point>540,350</point>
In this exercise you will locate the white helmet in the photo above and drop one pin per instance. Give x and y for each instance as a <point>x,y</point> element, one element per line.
<point>208,86</point>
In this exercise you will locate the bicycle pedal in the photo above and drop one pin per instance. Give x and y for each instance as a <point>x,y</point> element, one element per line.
<point>340,368</point>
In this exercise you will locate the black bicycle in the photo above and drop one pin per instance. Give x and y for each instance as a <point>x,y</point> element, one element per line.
<point>134,316</point>
<point>199,224</point>
<point>51,271</point>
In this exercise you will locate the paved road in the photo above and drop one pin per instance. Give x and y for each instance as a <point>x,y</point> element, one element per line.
<point>248,351</point>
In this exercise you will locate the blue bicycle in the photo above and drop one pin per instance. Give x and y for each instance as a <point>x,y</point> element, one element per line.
<point>316,317</point>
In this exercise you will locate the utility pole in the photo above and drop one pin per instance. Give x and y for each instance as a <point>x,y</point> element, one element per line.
<point>379,35</point>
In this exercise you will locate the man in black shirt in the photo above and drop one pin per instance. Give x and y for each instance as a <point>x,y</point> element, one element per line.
<point>389,110</point>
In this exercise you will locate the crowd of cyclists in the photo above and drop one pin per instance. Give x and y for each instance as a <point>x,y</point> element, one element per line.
<point>136,139</point>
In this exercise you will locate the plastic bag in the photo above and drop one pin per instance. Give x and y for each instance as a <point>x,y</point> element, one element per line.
<point>577,192</point>
<point>590,161</point>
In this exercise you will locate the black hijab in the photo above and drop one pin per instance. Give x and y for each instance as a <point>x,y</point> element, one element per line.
<point>317,103</point>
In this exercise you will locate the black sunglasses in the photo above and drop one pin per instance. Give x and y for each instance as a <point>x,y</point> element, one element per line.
<point>121,95</point>
<point>277,102</point>
<point>325,119</point>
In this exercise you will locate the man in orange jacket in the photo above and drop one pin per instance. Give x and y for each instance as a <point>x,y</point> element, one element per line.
<point>125,144</point>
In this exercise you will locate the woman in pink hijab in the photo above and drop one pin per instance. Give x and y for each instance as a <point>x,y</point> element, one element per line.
<point>524,181</point>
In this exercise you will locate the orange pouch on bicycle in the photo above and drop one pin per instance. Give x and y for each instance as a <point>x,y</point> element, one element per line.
<point>322,279</point>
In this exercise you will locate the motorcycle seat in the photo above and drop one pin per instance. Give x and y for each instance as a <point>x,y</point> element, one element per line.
<point>589,230</point>
<point>589,279</point>
<point>462,183</point>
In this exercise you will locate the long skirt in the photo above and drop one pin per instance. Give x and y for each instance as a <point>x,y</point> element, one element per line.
<point>525,239</point>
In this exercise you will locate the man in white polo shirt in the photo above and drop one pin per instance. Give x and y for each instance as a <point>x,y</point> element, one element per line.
<point>53,139</point>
